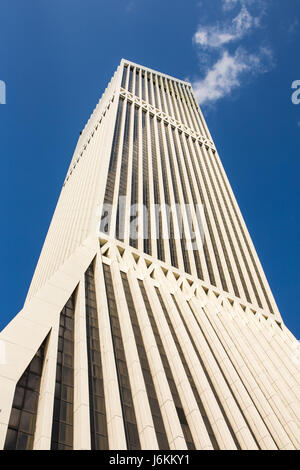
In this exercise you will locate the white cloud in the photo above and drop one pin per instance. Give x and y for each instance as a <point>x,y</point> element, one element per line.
<point>230,69</point>
<point>218,35</point>
<point>229,4</point>
<point>227,72</point>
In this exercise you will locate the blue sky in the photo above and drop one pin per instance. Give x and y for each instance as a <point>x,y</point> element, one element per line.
<point>242,57</point>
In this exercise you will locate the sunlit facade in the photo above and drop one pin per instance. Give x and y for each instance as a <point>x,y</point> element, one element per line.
<point>149,322</point>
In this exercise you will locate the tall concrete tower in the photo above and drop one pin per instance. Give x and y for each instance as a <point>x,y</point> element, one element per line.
<point>149,322</point>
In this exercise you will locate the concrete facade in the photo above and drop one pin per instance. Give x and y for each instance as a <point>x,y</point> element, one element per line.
<point>147,328</point>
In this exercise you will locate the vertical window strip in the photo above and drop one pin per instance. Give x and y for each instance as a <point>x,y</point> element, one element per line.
<point>116,139</point>
<point>196,114</point>
<point>166,97</point>
<point>193,123</point>
<point>184,106</point>
<point>185,196</point>
<point>237,239</point>
<point>186,261</point>
<point>179,104</point>
<point>245,238</point>
<point>207,374</point>
<point>98,422</point>
<point>159,234</point>
<point>150,94</point>
<point>200,117</point>
<point>134,181</point>
<point>174,259</point>
<point>172,244</point>
<point>212,237</point>
<point>158,99</point>
<point>161,97</point>
<point>151,393</point>
<point>137,90</point>
<point>129,418</point>
<point>130,83</point>
<point>172,98</point>
<point>187,369</point>
<point>225,225</point>
<point>143,86</point>
<point>146,196</point>
<point>110,183</point>
<point>196,252</point>
<point>155,97</point>
<point>177,402</point>
<point>125,69</point>
<point>22,420</point>
<point>123,177</point>
<point>62,427</point>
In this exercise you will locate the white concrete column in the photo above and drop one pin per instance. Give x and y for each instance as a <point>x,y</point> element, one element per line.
<point>139,395</point>
<point>43,429</point>
<point>164,396</point>
<point>82,428</point>
<point>115,423</point>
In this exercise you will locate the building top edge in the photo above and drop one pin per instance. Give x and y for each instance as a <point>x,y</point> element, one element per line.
<point>129,62</point>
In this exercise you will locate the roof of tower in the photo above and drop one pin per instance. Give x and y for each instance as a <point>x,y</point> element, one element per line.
<point>129,62</point>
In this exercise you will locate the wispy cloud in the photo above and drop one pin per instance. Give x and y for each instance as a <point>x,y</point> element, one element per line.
<point>220,34</point>
<point>224,69</point>
<point>229,4</point>
<point>228,72</point>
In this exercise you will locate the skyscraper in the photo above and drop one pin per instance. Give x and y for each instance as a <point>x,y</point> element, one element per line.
<point>149,322</point>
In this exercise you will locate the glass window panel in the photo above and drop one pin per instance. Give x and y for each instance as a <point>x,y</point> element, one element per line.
<point>31,399</point>
<point>25,398</point>
<point>19,397</point>
<point>66,393</point>
<point>25,441</point>
<point>65,434</point>
<point>96,389</point>
<point>66,412</point>
<point>62,428</point>
<point>33,382</point>
<point>27,422</point>
<point>11,439</point>
<point>67,375</point>
<point>14,418</point>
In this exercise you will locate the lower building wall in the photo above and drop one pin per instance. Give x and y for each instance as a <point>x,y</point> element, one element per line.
<point>121,352</point>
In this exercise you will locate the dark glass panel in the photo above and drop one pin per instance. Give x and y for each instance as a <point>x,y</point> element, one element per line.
<point>146,196</point>
<point>21,426</point>
<point>172,244</point>
<point>130,425</point>
<point>134,180</point>
<point>62,426</point>
<point>167,369</point>
<point>110,183</point>
<point>123,176</point>
<point>96,387</point>
<point>188,373</point>
<point>157,195</point>
<point>153,401</point>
